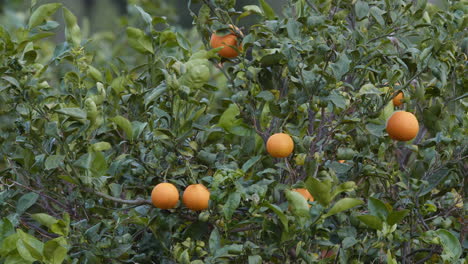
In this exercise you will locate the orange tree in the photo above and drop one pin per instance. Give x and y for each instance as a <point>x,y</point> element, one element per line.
<point>89,127</point>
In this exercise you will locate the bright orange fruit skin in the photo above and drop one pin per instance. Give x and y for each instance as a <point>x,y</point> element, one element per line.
<point>165,196</point>
<point>397,100</point>
<point>227,42</point>
<point>280,145</point>
<point>305,193</point>
<point>402,126</point>
<point>341,161</point>
<point>196,197</point>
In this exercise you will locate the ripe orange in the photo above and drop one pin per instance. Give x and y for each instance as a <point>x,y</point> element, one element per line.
<point>402,126</point>
<point>397,100</point>
<point>196,197</point>
<point>227,42</point>
<point>280,145</point>
<point>305,193</point>
<point>165,195</point>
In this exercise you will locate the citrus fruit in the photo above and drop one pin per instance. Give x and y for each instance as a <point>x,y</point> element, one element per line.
<point>305,193</point>
<point>227,42</point>
<point>165,195</point>
<point>398,99</point>
<point>280,145</point>
<point>341,161</point>
<point>402,126</point>
<point>196,197</point>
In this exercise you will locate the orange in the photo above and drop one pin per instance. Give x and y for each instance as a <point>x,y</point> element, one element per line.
<point>341,161</point>
<point>165,195</point>
<point>402,126</point>
<point>227,42</point>
<point>280,145</point>
<point>196,197</point>
<point>305,193</point>
<point>398,99</point>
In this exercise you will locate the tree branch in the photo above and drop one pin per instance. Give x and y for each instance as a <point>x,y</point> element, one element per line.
<point>118,200</point>
<point>38,192</point>
<point>245,228</point>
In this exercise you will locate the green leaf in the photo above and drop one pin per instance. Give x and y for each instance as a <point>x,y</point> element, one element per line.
<point>371,221</point>
<point>99,164</point>
<point>248,164</point>
<point>377,208</point>
<point>183,42</point>
<point>73,112</point>
<point>231,123</point>
<point>349,242</point>
<point>279,213</point>
<point>123,124</point>
<point>255,259</point>
<point>451,245</point>
<point>101,146</point>
<point>72,30</point>
<point>53,162</point>
<point>9,244</point>
<point>266,96</point>
<point>155,93</point>
<point>42,13</point>
<point>342,205</point>
<point>24,252</point>
<point>253,9</point>
<point>29,247</point>
<point>337,99</point>
<point>362,9</point>
<point>369,88</point>
<point>6,229</point>
<point>377,14</point>
<point>145,16</point>
<point>319,190</point>
<point>26,201</point>
<point>375,129</point>
<point>231,205</point>
<point>294,29</point>
<point>341,66</point>
<point>298,203</point>
<point>390,258</point>
<point>387,111</point>
<point>12,81</point>
<point>16,259</point>
<point>116,189</point>
<point>138,128</point>
<point>268,11</point>
<point>396,216</point>
<point>44,219</point>
<point>214,241</point>
<point>433,180</point>
<point>55,250</point>
<point>118,84</point>
<point>138,40</point>
<point>344,187</point>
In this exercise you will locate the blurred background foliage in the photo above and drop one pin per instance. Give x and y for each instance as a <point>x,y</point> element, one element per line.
<point>103,15</point>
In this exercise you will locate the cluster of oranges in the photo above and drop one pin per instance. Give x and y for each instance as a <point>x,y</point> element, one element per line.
<point>401,126</point>
<point>165,196</point>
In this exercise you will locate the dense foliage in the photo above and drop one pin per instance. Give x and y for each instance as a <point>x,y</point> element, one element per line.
<point>89,126</point>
